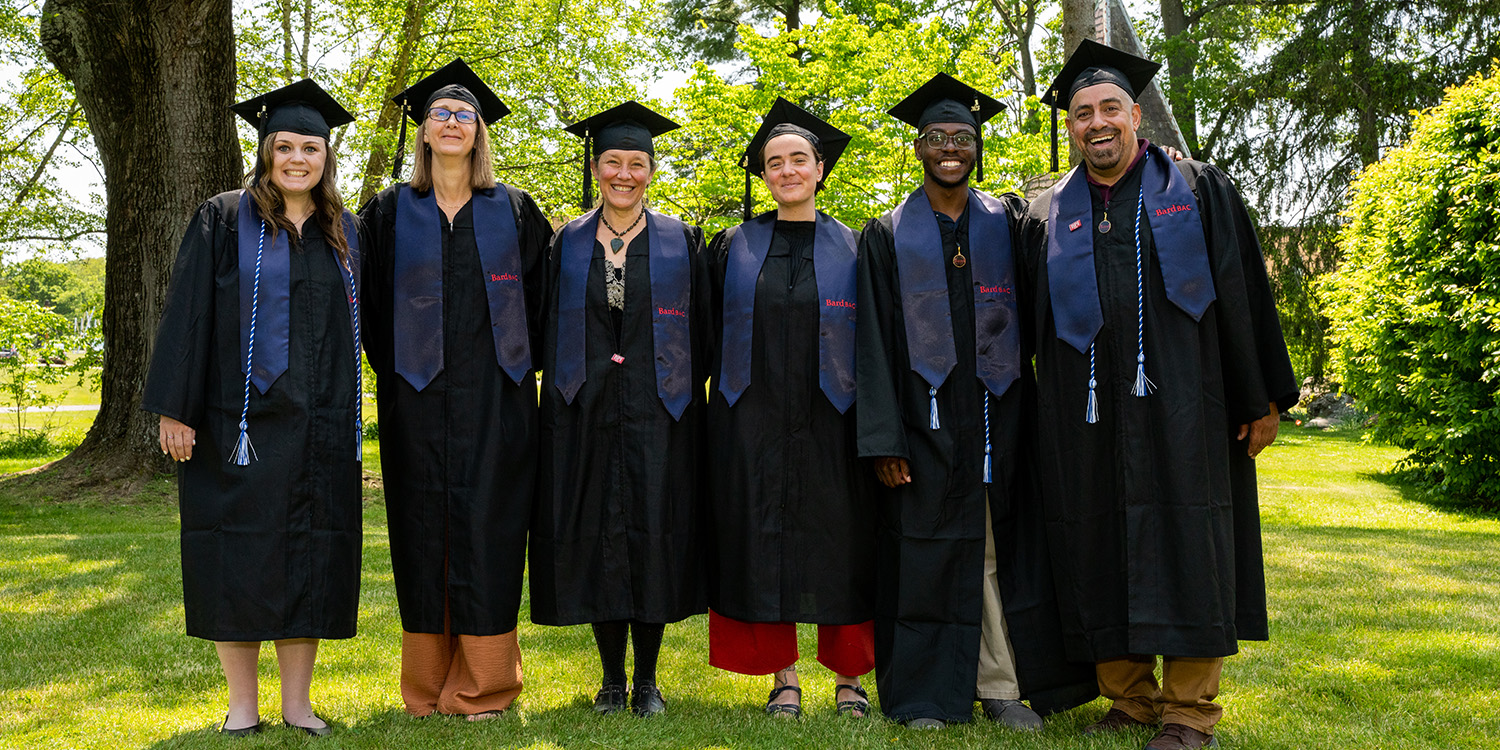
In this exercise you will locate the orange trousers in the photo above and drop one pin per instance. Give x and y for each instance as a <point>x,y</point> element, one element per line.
<point>767,647</point>
<point>459,674</point>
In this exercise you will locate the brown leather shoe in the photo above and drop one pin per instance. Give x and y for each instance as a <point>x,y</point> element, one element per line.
<point>1180,737</point>
<point>1113,721</point>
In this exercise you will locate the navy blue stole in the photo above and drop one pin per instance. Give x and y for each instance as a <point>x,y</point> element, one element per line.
<point>418,303</point>
<point>834,263</point>
<point>265,296</point>
<point>671,295</point>
<point>921,265</point>
<point>1176,229</point>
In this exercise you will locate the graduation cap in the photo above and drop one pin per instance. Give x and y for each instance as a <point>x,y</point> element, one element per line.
<point>456,80</point>
<point>1091,64</point>
<point>946,99</point>
<point>627,127</point>
<point>786,118</point>
<point>303,107</point>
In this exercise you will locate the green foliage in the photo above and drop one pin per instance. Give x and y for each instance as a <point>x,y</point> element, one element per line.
<point>1416,305</point>
<point>42,132</point>
<point>73,290</point>
<point>34,343</point>
<point>553,63</point>
<point>849,73</point>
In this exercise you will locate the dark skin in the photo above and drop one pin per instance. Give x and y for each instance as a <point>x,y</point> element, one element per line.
<point>945,178</point>
<point>1102,123</point>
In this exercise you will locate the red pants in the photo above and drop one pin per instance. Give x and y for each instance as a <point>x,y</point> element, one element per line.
<point>766,647</point>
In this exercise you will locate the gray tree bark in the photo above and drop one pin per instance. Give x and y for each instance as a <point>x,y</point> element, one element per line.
<point>155,78</point>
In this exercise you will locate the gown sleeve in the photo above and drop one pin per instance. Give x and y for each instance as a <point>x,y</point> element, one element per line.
<point>374,293</point>
<point>535,235</point>
<point>177,380</point>
<point>1270,346</point>
<point>878,422</point>
<point>718,258</point>
<point>705,334</point>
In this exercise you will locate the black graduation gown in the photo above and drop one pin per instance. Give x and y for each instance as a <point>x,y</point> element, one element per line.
<point>458,458</point>
<point>930,552</point>
<point>616,531</point>
<point>270,550</point>
<point>789,502</point>
<point>1156,548</point>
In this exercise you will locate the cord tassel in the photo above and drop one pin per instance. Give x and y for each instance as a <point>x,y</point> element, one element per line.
<point>359,439</point>
<point>242,448</point>
<point>359,371</point>
<point>987,479</point>
<point>1143,384</point>
<point>1091,414</point>
<point>932,420</point>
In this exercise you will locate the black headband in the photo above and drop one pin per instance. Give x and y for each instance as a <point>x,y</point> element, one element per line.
<point>1097,75</point>
<point>454,91</point>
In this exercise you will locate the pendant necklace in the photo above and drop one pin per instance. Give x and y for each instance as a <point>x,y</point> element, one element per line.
<point>1104,223</point>
<point>959,261</point>
<point>616,244</point>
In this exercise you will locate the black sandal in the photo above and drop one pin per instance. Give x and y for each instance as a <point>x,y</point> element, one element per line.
<point>793,710</point>
<point>847,708</point>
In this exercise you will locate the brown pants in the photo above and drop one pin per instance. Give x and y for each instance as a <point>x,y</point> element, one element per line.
<point>1186,696</point>
<point>459,674</point>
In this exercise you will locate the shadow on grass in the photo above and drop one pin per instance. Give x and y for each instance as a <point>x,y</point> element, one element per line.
<point>1411,485</point>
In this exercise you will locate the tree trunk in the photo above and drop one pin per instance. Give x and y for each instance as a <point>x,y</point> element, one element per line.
<point>284,7</point>
<point>1182,70</point>
<point>1078,23</point>
<point>155,79</point>
<point>379,160</point>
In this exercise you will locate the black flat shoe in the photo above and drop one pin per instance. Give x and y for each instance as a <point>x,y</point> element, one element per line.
<point>322,731</point>
<point>646,700</point>
<point>242,731</point>
<point>610,700</point>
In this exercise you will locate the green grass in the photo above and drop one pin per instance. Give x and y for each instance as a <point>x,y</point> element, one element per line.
<point>1383,616</point>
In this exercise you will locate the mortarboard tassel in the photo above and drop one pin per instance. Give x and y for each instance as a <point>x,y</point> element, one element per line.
<point>748,209</point>
<point>979,135</point>
<point>400,144</point>
<point>1054,133</point>
<point>1091,414</point>
<point>587,200</point>
<point>932,418</point>
<point>987,479</point>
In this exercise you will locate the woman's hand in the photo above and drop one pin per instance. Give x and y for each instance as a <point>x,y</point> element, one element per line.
<point>177,439</point>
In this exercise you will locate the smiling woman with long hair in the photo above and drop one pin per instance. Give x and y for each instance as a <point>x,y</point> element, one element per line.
<point>614,538</point>
<point>255,374</point>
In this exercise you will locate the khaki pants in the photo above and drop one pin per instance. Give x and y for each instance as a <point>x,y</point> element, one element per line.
<point>1186,695</point>
<point>459,674</point>
<point>997,658</point>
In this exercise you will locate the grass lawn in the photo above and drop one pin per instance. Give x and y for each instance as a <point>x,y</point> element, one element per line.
<point>1384,614</point>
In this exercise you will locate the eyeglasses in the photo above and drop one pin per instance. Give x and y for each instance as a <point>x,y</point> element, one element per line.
<point>936,139</point>
<point>465,116</point>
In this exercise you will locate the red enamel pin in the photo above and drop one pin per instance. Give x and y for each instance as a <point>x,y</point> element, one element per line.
<point>1075,225</point>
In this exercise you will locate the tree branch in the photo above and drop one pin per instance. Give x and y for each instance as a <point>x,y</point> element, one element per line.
<point>41,166</point>
<point>48,238</point>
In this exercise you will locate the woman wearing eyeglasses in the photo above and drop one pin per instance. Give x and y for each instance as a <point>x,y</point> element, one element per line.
<point>452,295</point>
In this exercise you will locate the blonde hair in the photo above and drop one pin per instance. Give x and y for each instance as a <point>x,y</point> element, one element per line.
<point>481,166</point>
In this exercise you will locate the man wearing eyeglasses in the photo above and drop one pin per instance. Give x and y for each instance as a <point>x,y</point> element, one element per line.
<point>964,609</point>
